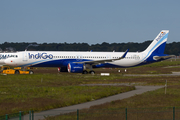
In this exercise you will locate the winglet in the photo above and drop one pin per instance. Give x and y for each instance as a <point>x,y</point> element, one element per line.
<point>125,53</point>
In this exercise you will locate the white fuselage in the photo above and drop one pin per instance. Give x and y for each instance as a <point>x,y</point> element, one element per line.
<point>79,61</point>
<point>59,59</point>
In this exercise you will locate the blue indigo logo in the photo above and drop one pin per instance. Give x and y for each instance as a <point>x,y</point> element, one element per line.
<point>40,56</point>
<point>160,36</point>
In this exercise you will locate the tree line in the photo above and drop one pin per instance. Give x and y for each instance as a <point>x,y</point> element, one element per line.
<point>171,48</point>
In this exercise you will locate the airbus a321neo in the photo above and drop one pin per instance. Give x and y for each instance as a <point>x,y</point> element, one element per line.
<point>79,62</point>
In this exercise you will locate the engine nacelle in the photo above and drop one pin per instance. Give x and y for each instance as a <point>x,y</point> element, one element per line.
<point>62,69</point>
<point>75,68</point>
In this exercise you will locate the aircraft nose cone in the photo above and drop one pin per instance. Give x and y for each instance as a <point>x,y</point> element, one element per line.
<point>2,62</point>
<point>10,62</point>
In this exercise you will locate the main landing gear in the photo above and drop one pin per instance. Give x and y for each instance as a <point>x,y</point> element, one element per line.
<point>90,72</point>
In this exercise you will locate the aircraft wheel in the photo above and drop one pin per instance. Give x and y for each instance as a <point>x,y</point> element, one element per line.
<point>85,72</point>
<point>92,72</point>
<point>31,72</point>
<point>17,72</point>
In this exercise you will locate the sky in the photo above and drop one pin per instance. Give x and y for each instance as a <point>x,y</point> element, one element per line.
<point>88,21</point>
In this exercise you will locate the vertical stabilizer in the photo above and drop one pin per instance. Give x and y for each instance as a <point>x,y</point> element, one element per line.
<point>159,43</point>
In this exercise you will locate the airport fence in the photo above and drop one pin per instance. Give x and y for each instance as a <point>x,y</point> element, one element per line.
<point>14,116</point>
<point>159,113</point>
<point>165,113</point>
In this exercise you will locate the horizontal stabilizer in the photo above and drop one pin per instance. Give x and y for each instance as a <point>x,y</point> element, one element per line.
<point>163,57</point>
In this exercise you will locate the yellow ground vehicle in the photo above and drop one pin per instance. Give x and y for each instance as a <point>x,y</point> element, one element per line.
<point>8,70</point>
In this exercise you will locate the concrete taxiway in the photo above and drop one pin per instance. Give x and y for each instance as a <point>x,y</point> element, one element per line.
<point>145,75</point>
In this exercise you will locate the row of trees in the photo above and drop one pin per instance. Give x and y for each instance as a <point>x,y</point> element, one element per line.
<point>171,48</point>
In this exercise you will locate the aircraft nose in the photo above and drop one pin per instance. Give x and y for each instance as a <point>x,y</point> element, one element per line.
<point>10,62</point>
<point>2,62</point>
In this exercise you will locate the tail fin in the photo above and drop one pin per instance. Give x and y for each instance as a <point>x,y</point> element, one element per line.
<point>158,44</point>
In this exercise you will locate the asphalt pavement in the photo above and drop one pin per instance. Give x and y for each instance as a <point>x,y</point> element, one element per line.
<point>73,108</point>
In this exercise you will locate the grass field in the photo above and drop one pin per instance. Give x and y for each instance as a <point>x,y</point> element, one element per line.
<point>47,89</point>
<point>150,105</point>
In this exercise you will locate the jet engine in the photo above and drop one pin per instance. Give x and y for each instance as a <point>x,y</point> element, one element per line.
<point>75,68</point>
<point>62,69</point>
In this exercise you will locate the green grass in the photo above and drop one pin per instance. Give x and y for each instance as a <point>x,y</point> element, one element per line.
<point>43,91</point>
<point>47,91</point>
<point>154,104</point>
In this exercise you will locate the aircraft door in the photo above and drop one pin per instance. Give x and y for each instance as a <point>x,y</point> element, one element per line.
<point>108,56</point>
<point>25,55</point>
<point>79,57</point>
<point>143,56</point>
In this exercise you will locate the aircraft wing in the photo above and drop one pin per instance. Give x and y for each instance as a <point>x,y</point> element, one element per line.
<point>163,57</point>
<point>104,61</point>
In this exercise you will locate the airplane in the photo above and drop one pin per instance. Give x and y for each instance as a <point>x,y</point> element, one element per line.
<point>79,62</point>
<point>4,56</point>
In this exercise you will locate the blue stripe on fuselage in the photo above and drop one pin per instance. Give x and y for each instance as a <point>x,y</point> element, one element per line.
<point>54,63</point>
<point>64,62</point>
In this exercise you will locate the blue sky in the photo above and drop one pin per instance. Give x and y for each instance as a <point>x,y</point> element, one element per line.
<point>88,21</point>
